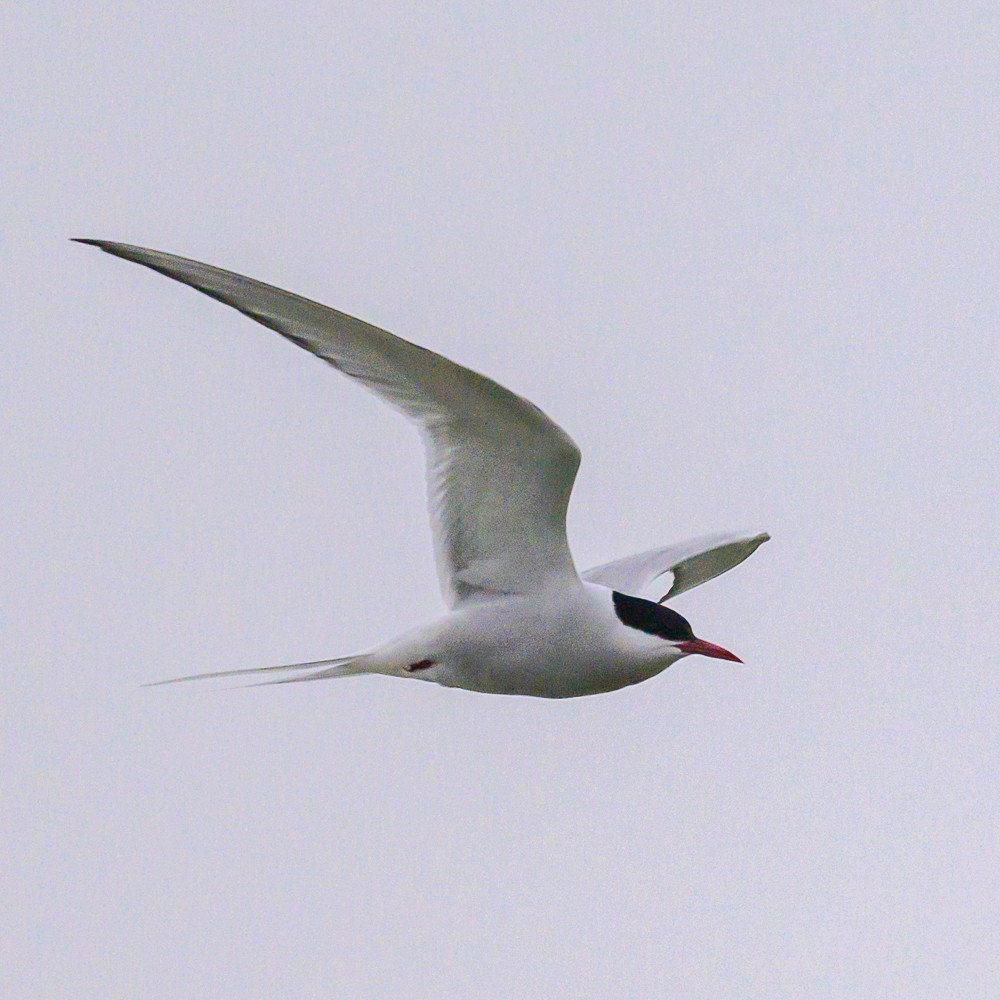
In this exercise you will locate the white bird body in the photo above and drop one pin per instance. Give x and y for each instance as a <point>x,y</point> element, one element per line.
<point>558,642</point>
<point>500,473</point>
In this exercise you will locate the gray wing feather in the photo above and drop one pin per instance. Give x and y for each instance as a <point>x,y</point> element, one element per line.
<point>691,563</point>
<point>500,472</point>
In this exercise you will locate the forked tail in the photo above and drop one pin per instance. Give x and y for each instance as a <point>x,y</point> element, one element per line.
<point>343,666</point>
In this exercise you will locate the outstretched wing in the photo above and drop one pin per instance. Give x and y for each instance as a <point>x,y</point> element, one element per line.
<point>499,471</point>
<point>691,564</point>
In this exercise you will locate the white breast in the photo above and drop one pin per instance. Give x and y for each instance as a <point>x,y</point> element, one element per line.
<point>557,643</point>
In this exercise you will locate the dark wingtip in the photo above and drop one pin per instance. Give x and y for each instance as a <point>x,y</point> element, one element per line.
<point>110,246</point>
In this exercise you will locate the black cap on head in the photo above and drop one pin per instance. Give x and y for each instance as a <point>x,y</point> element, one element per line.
<point>655,619</point>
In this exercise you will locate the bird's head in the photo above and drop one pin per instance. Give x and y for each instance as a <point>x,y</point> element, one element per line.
<point>655,619</point>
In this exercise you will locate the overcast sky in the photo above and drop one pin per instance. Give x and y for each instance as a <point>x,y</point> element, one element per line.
<point>748,258</point>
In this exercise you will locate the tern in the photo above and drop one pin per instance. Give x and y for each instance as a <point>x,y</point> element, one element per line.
<point>520,620</point>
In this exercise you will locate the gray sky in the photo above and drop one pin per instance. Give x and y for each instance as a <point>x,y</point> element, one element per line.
<point>748,259</point>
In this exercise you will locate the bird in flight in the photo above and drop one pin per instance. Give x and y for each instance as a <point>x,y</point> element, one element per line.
<point>521,619</point>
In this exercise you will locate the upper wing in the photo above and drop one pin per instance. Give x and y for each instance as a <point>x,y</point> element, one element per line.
<point>691,563</point>
<point>499,471</point>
